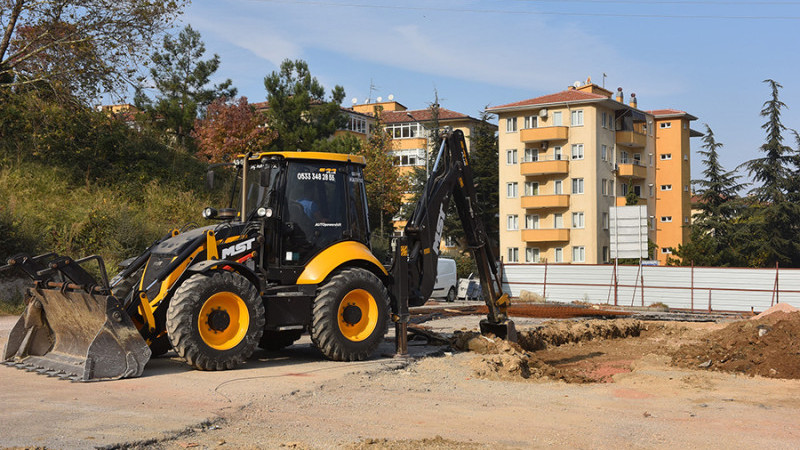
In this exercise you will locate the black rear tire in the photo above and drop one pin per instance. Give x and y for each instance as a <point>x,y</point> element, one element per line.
<point>215,321</point>
<point>277,340</point>
<point>451,295</point>
<point>350,315</point>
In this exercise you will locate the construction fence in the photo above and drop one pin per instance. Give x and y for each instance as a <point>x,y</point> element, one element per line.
<point>690,288</point>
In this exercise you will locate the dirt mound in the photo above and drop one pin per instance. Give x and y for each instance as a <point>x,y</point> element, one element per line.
<point>563,332</point>
<point>783,307</point>
<point>503,360</point>
<point>768,346</point>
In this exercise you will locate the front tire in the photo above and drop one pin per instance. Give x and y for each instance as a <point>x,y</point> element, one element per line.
<point>350,315</point>
<point>215,321</point>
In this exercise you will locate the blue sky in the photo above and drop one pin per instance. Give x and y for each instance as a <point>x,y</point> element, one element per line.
<point>704,57</point>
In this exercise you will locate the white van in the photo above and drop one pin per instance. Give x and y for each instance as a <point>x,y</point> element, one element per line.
<point>446,280</point>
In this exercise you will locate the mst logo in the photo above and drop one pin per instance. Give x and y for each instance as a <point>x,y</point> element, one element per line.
<point>237,248</point>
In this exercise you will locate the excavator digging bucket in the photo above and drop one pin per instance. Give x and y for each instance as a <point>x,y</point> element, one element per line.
<point>71,333</point>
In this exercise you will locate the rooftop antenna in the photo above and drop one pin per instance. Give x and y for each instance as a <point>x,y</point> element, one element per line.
<point>372,88</point>
<point>604,80</point>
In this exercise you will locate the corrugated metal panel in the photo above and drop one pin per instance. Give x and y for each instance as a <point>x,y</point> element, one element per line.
<point>734,289</point>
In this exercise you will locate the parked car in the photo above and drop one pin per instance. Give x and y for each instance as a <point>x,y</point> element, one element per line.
<point>446,280</point>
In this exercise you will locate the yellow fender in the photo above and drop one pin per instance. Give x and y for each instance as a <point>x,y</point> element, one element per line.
<point>334,256</point>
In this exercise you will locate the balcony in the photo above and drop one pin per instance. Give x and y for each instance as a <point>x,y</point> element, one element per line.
<point>544,167</point>
<point>546,235</point>
<point>622,201</point>
<point>543,134</point>
<point>634,170</point>
<point>631,139</point>
<point>545,201</point>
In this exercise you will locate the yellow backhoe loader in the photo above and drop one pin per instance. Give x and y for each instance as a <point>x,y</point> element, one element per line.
<point>293,257</point>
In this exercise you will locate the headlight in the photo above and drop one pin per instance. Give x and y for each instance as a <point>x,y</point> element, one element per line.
<point>264,212</point>
<point>209,213</point>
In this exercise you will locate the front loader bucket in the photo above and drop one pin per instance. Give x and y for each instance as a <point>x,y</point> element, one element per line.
<point>70,333</point>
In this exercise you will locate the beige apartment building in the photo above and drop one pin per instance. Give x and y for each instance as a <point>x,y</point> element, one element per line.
<point>566,158</point>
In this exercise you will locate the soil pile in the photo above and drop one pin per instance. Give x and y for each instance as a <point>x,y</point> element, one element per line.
<point>768,346</point>
<point>557,333</point>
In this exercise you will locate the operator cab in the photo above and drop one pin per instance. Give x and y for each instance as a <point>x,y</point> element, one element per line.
<point>304,202</point>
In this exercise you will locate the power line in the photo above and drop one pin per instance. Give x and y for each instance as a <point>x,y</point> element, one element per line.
<point>538,13</point>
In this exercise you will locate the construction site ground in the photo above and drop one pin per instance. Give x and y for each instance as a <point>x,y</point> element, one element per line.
<point>618,379</point>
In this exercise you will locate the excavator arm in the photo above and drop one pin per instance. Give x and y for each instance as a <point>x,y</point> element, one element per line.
<point>417,252</point>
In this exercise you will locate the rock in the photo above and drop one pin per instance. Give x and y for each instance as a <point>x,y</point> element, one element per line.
<point>530,297</point>
<point>705,365</point>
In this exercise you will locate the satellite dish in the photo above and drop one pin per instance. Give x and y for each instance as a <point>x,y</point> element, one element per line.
<point>380,99</point>
<point>391,97</point>
<point>577,84</point>
<point>354,100</point>
<point>543,112</point>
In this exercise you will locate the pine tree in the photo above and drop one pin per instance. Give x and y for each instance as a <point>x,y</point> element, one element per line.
<point>298,109</point>
<point>484,159</point>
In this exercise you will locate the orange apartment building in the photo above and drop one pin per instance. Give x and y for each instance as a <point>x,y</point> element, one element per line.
<point>567,157</point>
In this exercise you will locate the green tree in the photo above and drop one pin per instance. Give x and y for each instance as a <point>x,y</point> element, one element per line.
<point>182,79</point>
<point>771,169</point>
<point>631,199</point>
<point>775,216</point>
<point>298,109</point>
<point>78,47</point>
<point>484,159</point>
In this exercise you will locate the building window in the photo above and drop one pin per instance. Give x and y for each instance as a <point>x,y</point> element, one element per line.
<point>577,220</point>
<point>650,190</point>
<point>604,120</point>
<point>604,152</point>
<point>557,153</point>
<point>605,220</point>
<point>409,158</point>
<point>558,220</point>
<point>577,118</point>
<point>531,154</point>
<point>512,222</point>
<point>511,190</point>
<point>513,254</point>
<point>559,254</point>
<point>666,219</point>
<point>665,156</point>
<point>511,125</point>
<point>577,185</point>
<point>557,122</point>
<point>557,187</point>
<point>531,221</point>
<point>358,124</point>
<point>666,187</point>
<point>624,189</point>
<point>577,151</point>
<point>666,251</point>
<point>637,189</point>
<point>532,255</point>
<point>623,157</point>
<point>578,253</point>
<point>604,186</point>
<point>406,130</point>
<point>511,156</point>
<point>611,187</point>
<point>685,188</point>
<point>531,188</point>
<point>665,125</point>
<point>531,121</point>
<point>685,220</point>
<point>606,254</point>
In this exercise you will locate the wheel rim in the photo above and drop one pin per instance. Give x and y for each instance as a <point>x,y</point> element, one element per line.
<point>224,321</point>
<point>358,315</point>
